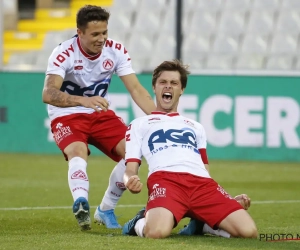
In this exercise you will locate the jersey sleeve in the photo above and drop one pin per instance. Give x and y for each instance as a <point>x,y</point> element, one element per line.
<point>201,144</point>
<point>124,62</point>
<point>133,140</point>
<point>55,66</point>
<point>201,138</point>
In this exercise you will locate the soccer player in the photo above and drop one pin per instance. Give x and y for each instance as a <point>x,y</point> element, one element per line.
<point>179,184</point>
<point>76,90</point>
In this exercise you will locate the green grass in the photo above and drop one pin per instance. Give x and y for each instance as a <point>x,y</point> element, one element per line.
<point>41,181</point>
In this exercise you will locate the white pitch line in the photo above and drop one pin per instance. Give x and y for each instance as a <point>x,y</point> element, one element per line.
<point>131,205</point>
<point>59,207</point>
<point>275,202</point>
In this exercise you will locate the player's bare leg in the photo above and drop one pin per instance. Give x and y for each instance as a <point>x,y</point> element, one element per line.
<point>120,148</point>
<point>239,224</point>
<point>157,224</point>
<point>79,182</point>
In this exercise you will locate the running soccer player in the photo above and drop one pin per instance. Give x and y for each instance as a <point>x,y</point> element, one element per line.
<point>76,90</point>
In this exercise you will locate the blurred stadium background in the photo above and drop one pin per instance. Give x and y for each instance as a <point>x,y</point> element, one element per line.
<point>244,88</point>
<point>224,34</point>
<point>243,55</point>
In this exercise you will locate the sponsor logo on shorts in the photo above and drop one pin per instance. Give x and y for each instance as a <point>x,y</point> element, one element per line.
<point>157,192</point>
<point>59,125</point>
<point>120,185</point>
<point>80,175</point>
<point>222,191</point>
<point>62,132</point>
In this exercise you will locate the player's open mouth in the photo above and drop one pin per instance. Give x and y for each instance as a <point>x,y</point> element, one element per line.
<point>167,96</point>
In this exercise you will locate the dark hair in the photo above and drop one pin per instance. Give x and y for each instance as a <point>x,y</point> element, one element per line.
<point>90,13</point>
<point>174,65</point>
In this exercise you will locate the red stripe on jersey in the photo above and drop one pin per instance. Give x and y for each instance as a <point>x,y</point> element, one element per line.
<point>203,154</point>
<point>133,160</point>
<point>86,54</point>
<point>164,113</point>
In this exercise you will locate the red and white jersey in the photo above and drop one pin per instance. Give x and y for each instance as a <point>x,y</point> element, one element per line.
<point>86,75</point>
<point>169,142</point>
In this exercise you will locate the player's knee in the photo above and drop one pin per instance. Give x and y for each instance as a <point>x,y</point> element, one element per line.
<point>155,233</point>
<point>76,150</point>
<point>247,231</point>
<point>120,148</point>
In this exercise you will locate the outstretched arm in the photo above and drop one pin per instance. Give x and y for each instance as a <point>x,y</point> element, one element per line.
<point>138,93</point>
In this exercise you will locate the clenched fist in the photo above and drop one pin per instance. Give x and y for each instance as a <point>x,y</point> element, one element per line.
<point>134,184</point>
<point>244,200</point>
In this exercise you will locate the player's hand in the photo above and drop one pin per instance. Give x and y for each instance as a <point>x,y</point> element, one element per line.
<point>134,184</point>
<point>95,102</point>
<point>244,200</point>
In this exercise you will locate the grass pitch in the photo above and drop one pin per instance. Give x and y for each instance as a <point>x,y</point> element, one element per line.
<point>35,205</point>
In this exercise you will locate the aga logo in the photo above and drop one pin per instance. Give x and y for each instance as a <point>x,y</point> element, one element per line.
<point>184,136</point>
<point>99,88</point>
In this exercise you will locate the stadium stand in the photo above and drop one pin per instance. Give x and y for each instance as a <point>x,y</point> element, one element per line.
<point>218,34</point>
<point>33,40</point>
